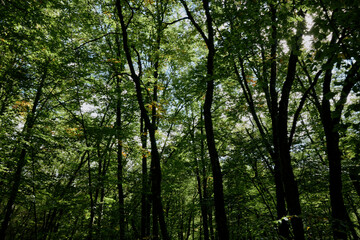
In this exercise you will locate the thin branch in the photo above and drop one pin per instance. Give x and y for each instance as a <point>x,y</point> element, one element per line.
<point>351,79</point>
<point>130,18</point>
<point>267,163</point>
<point>138,61</point>
<point>170,128</point>
<point>173,22</point>
<point>248,96</point>
<point>317,152</point>
<point>93,40</point>
<point>121,74</point>
<point>313,92</point>
<point>196,25</point>
<point>301,105</point>
<point>336,31</point>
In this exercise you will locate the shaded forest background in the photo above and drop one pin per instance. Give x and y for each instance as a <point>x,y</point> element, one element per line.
<point>164,119</point>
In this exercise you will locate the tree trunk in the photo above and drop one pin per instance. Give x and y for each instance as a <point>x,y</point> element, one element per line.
<point>220,215</point>
<point>92,207</point>
<point>201,189</point>
<point>155,157</point>
<point>340,221</point>
<point>27,131</point>
<point>282,140</point>
<point>273,108</point>
<point>212,233</point>
<point>339,214</point>
<point>120,162</point>
<point>280,203</point>
<point>145,200</point>
<point>204,184</point>
<point>288,178</point>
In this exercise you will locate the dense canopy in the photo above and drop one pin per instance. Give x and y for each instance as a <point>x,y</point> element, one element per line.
<point>188,119</point>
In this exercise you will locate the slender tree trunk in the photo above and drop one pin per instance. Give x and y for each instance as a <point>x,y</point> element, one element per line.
<point>341,222</point>
<point>279,113</point>
<point>34,194</point>
<point>103,170</point>
<point>120,162</point>
<point>288,178</point>
<point>181,227</point>
<point>92,206</point>
<point>220,215</point>
<point>98,187</point>
<point>145,200</point>
<point>156,206</point>
<point>339,213</point>
<point>212,233</point>
<point>100,214</point>
<point>280,202</point>
<point>199,182</point>
<point>188,231</point>
<point>162,222</point>
<point>27,131</point>
<point>280,195</point>
<point>99,190</point>
<point>155,156</point>
<point>204,204</point>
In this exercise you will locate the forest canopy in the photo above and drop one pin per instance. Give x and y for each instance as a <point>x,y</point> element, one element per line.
<point>188,119</point>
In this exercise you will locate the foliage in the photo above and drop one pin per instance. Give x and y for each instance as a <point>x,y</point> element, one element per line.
<point>64,73</point>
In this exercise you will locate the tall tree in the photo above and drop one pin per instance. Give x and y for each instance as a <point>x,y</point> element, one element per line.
<point>158,215</point>
<point>333,52</point>
<point>220,214</point>
<point>27,133</point>
<point>278,104</point>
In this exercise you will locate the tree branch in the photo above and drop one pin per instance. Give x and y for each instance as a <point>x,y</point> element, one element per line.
<point>301,105</point>
<point>351,79</point>
<point>173,22</point>
<point>138,61</point>
<point>93,40</point>
<point>197,26</point>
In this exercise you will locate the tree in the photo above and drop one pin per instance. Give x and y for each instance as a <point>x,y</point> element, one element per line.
<point>220,214</point>
<point>331,116</point>
<point>158,215</point>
